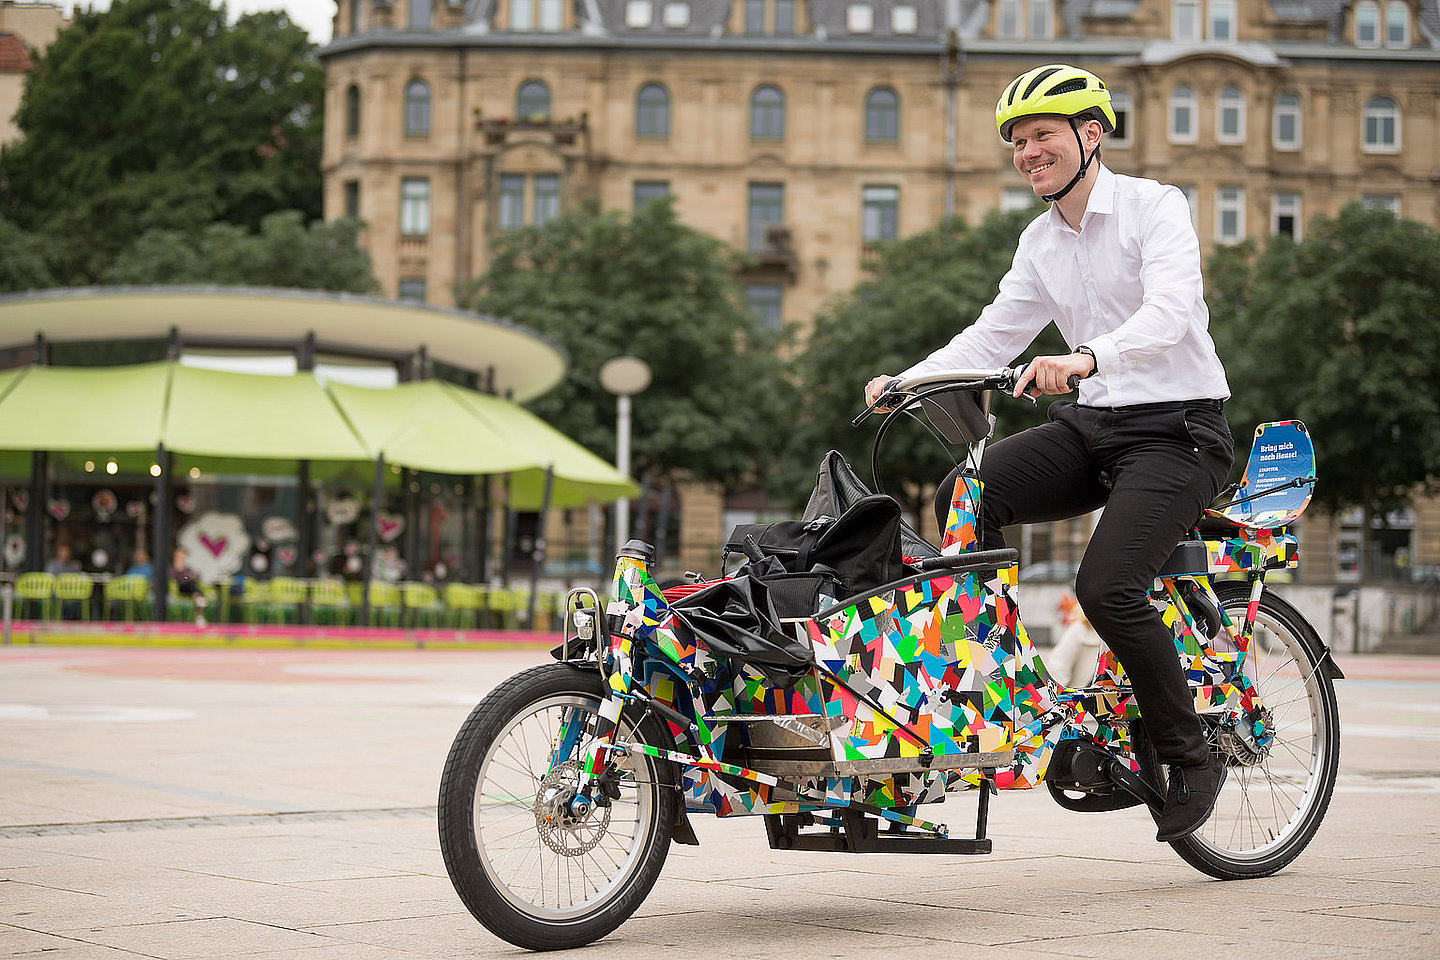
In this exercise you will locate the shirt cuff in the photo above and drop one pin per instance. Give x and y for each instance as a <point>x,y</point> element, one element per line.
<point>1107,356</point>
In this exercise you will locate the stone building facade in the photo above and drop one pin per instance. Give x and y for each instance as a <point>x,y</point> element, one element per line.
<point>25,30</point>
<point>804,131</point>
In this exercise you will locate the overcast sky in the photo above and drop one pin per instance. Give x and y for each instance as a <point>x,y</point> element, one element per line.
<point>313,15</point>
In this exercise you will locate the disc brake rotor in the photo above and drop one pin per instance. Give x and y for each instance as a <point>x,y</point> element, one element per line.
<point>560,828</point>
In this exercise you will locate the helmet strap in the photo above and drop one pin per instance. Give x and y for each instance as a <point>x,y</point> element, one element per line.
<point>1079,174</point>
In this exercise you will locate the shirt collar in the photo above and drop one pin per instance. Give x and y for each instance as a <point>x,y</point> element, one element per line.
<point>1101,199</point>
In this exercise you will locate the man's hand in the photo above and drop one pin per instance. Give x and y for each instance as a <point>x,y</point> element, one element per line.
<point>1051,375</point>
<point>877,386</point>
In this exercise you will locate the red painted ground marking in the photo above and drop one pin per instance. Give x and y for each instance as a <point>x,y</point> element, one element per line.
<point>235,666</point>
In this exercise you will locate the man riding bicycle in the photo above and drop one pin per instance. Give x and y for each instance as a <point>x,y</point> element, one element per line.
<point>1115,263</point>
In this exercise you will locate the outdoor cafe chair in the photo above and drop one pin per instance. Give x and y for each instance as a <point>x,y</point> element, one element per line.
<point>286,597</point>
<point>74,589</point>
<point>385,604</point>
<point>462,604</point>
<point>422,602</point>
<point>36,587</point>
<point>131,592</point>
<point>504,605</point>
<point>330,601</point>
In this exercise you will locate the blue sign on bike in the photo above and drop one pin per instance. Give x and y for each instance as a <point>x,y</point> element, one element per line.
<point>1279,477</point>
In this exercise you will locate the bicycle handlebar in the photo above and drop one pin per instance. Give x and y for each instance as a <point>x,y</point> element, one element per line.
<point>898,391</point>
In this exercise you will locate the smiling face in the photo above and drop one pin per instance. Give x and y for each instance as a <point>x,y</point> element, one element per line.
<point>1046,152</point>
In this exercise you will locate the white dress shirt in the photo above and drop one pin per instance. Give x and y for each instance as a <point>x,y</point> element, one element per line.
<point>1127,285</point>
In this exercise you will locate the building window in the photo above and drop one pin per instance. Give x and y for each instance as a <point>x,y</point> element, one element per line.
<point>860,18</point>
<point>417,109</point>
<point>1123,135</point>
<point>1041,25</point>
<point>767,114</point>
<point>904,19</point>
<point>1182,115</point>
<point>532,102</point>
<point>647,190</point>
<point>1367,24</point>
<point>352,199</point>
<point>652,111</point>
<point>1382,201</point>
<point>1286,126</point>
<point>879,214</point>
<point>547,198</point>
<point>1014,199</point>
<point>1285,215</point>
<point>766,209</point>
<point>675,15</point>
<point>420,14</point>
<point>1382,125</point>
<point>1185,20</point>
<point>412,289</point>
<point>1229,214</point>
<point>1230,116</point>
<point>754,16</point>
<point>638,14</point>
<point>510,212</point>
<point>785,18</point>
<point>1007,19</point>
<point>882,116</point>
<point>414,206</point>
<point>528,15</point>
<point>1222,20</point>
<point>764,300</point>
<point>355,18</point>
<point>352,111</point>
<point>522,15</point>
<point>1397,24</point>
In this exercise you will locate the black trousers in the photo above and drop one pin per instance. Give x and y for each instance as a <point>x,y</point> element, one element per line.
<point>1154,468</point>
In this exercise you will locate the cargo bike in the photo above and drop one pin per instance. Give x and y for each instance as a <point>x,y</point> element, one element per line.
<point>847,673</point>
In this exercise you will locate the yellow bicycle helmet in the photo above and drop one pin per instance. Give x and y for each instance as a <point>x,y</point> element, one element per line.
<point>1054,89</point>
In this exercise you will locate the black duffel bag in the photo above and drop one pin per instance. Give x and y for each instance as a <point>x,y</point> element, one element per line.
<point>860,548</point>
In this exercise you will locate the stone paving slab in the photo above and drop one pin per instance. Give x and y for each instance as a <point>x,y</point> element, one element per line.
<point>162,835</point>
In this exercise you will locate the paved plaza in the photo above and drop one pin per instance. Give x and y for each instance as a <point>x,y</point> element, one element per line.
<point>187,804</point>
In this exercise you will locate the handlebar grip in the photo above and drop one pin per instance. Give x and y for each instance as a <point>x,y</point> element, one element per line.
<point>980,559</point>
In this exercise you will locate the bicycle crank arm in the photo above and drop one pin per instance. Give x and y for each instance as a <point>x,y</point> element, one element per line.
<point>1131,782</point>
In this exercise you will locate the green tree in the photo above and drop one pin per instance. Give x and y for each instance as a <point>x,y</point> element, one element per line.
<point>601,285</point>
<point>1340,331</point>
<point>159,114</point>
<point>284,253</point>
<point>22,262</point>
<point>921,291</point>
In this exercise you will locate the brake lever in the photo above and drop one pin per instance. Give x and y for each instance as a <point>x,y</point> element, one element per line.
<point>881,402</point>
<point>1017,372</point>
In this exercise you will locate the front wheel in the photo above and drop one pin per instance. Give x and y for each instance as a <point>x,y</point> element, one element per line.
<point>532,869</point>
<point>1277,792</point>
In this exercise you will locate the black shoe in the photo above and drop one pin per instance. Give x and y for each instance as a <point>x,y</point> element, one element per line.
<point>1190,799</point>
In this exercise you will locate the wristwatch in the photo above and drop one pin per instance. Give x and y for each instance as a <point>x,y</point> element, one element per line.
<point>1095,364</point>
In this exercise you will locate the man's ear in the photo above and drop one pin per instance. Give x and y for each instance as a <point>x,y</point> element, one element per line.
<point>1092,133</point>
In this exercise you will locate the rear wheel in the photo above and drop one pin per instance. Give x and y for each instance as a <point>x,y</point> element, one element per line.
<point>1279,784</point>
<point>527,862</point>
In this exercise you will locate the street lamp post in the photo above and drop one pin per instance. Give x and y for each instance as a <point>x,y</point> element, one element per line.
<point>624,377</point>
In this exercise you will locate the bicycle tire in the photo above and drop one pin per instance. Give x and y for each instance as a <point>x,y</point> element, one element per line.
<point>497,813</point>
<point>1271,806</point>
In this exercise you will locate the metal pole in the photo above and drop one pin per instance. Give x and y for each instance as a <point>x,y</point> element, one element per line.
<point>537,558</point>
<point>160,532</point>
<point>35,515</point>
<point>369,571</point>
<point>622,464</point>
<point>482,570</point>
